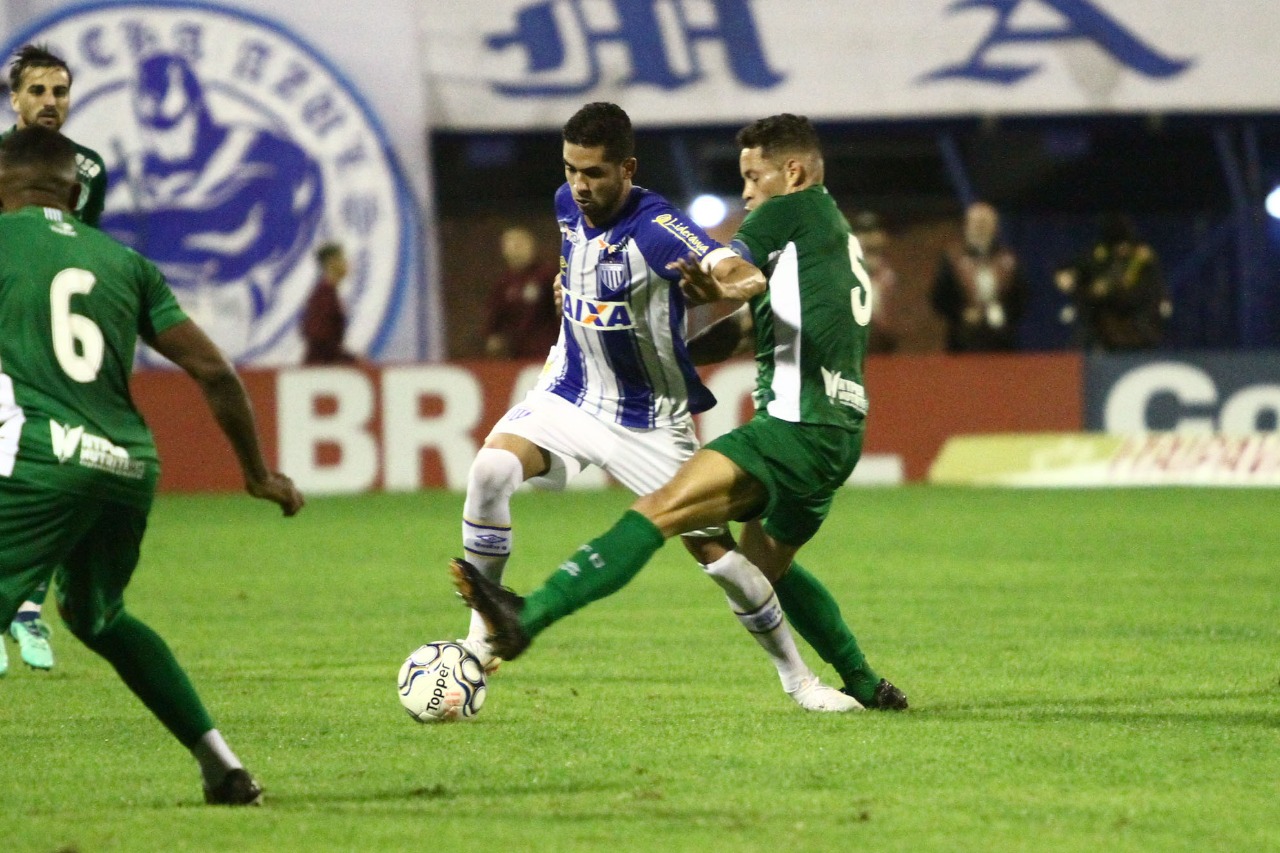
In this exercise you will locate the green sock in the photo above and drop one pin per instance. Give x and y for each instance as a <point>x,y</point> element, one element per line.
<point>815,615</point>
<point>601,567</point>
<point>149,669</point>
<point>40,593</point>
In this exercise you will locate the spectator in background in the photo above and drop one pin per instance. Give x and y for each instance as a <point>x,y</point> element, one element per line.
<point>324,321</point>
<point>522,318</point>
<point>1120,301</point>
<point>873,239</point>
<point>979,287</point>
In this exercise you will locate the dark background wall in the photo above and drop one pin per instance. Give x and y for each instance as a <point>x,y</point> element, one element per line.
<point>1194,186</point>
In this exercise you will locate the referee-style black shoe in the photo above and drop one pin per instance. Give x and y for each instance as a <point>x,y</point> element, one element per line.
<point>886,698</point>
<point>237,788</point>
<point>499,607</point>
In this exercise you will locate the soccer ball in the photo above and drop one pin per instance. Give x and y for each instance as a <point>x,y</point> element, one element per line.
<point>440,682</point>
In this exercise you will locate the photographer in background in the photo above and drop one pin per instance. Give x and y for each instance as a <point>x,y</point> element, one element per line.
<point>1120,301</point>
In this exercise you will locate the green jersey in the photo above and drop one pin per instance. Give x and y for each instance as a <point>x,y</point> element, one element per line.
<point>91,172</point>
<point>811,323</point>
<point>73,303</point>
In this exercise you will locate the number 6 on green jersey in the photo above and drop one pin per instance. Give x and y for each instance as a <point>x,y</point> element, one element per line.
<point>69,329</point>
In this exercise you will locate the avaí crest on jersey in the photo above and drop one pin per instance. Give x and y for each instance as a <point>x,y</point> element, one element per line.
<point>233,149</point>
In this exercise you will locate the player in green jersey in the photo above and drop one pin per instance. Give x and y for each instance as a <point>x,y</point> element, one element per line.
<point>40,94</point>
<point>781,469</point>
<point>78,466</point>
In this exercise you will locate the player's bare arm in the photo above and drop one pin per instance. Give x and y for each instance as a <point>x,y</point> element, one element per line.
<point>187,346</point>
<point>720,275</point>
<point>723,339</point>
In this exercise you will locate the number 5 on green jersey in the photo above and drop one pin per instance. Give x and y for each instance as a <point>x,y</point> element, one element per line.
<point>860,296</point>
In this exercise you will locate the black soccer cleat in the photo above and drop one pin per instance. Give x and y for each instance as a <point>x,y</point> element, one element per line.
<point>886,698</point>
<point>498,606</point>
<point>237,788</point>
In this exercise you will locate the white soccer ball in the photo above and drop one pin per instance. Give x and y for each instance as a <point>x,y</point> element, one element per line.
<point>440,682</point>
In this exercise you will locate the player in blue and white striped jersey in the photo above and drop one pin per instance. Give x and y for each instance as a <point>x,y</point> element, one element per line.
<point>622,355</point>
<point>619,389</point>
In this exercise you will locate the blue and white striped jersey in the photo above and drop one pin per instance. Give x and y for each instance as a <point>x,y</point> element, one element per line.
<point>622,355</point>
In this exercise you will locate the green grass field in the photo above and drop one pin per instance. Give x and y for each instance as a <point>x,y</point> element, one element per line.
<point>1088,671</point>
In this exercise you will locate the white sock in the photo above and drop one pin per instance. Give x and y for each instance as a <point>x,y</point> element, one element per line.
<point>753,601</point>
<point>215,757</point>
<point>29,607</point>
<point>486,518</point>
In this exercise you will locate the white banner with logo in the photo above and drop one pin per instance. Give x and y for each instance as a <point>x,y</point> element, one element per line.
<point>238,138</point>
<point>1237,393</point>
<point>531,63</point>
<point>1091,460</point>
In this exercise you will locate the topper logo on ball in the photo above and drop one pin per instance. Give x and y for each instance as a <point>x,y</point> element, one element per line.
<point>232,149</point>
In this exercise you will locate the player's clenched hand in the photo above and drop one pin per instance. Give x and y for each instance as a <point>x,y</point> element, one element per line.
<point>699,286</point>
<point>557,287</point>
<point>278,489</point>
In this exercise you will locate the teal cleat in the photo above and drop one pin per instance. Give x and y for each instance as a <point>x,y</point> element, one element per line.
<point>33,640</point>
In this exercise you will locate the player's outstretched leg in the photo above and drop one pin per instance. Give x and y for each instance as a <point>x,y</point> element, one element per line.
<point>815,615</point>
<point>31,632</point>
<point>601,567</point>
<point>753,600</point>
<point>149,669</point>
<point>486,531</point>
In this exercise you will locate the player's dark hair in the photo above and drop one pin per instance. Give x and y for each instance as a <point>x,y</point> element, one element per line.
<point>780,134</point>
<point>602,124</point>
<point>328,252</point>
<point>38,147</point>
<point>34,56</point>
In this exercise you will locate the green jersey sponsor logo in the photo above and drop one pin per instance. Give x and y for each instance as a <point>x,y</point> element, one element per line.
<point>96,452</point>
<point>844,392</point>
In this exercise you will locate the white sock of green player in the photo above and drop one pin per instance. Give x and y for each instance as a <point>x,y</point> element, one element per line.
<point>753,601</point>
<point>215,757</point>
<point>486,519</point>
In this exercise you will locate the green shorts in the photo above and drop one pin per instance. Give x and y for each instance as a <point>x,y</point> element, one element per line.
<point>93,544</point>
<point>800,465</point>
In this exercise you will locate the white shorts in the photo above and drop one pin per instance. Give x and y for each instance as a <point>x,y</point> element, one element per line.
<point>643,460</point>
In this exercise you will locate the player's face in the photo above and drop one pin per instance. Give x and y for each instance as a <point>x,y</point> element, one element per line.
<point>599,187</point>
<point>762,178</point>
<point>43,97</point>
